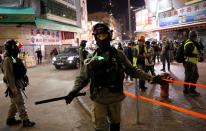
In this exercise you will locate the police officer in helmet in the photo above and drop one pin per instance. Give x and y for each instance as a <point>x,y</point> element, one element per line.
<point>190,64</point>
<point>16,80</point>
<point>105,72</point>
<point>82,52</point>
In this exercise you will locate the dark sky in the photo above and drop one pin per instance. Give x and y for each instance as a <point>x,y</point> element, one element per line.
<point>119,6</point>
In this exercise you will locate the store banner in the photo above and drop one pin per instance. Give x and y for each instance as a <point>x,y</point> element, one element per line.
<point>189,14</point>
<point>144,20</point>
<point>32,36</point>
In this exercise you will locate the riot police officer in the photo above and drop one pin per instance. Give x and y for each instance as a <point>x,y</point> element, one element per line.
<point>190,64</point>
<point>105,72</point>
<point>16,80</point>
<point>82,52</point>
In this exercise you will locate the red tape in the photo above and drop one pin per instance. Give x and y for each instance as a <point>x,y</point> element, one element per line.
<point>185,83</point>
<point>189,112</point>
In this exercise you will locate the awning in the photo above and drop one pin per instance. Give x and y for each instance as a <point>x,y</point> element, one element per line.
<point>16,11</point>
<point>183,26</point>
<point>53,25</point>
<point>8,14</point>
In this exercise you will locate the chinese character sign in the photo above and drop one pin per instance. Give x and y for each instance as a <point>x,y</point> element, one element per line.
<point>193,13</point>
<point>41,37</point>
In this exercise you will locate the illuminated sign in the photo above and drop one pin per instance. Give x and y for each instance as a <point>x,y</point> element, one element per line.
<point>188,14</point>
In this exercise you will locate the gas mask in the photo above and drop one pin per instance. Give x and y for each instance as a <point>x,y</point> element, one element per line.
<point>103,35</point>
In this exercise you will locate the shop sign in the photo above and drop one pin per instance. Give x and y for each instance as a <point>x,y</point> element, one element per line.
<point>52,25</point>
<point>41,37</point>
<point>193,13</point>
<point>16,18</point>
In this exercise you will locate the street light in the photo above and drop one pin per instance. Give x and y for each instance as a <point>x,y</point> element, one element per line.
<point>129,14</point>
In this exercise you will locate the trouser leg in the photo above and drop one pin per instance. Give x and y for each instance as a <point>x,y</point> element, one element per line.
<point>114,116</point>
<point>12,110</point>
<point>187,75</point>
<point>194,77</point>
<point>114,127</point>
<point>163,62</point>
<point>19,102</point>
<point>142,81</point>
<point>168,63</point>
<point>99,116</point>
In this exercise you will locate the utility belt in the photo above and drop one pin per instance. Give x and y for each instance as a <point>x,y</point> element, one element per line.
<point>111,88</point>
<point>108,95</point>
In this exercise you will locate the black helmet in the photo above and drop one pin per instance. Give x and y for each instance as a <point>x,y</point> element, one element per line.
<point>11,48</point>
<point>101,28</point>
<point>193,34</point>
<point>83,43</point>
<point>10,44</point>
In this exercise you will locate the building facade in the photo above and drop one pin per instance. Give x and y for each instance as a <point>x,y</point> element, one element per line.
<point>44,24</point>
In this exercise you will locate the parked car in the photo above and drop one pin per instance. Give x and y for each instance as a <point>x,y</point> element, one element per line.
<point>68,58</point>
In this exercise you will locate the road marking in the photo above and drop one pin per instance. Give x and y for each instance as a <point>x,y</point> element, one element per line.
<point>192,113</point>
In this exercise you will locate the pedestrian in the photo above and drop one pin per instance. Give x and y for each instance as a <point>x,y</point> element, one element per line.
<point>39,56</point>
<point>190,64</point>
<point>165,54</point>
<point>83,53</point>
<point>16,80</point>
<point>128,52</point>
<point>140,50</point>
<point>105,72</point>
<point>200,50</point>
<point>156,51</point>
<point>149,63</point>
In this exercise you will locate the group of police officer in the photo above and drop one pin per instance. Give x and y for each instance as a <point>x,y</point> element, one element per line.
<point>104,70</point>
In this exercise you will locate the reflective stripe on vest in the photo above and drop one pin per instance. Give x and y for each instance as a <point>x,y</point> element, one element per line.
<point>195,51</point>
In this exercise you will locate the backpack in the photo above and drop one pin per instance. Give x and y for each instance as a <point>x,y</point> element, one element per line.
<point>180,53</point>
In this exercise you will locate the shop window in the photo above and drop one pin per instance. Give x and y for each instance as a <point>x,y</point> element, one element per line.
<point>58,9</point>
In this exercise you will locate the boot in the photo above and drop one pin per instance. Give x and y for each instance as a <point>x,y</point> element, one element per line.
<point>28,123</point>
<point>114,127</point>
<point>12,121</point>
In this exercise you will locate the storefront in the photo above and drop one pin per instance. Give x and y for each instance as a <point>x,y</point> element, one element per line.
<point>176,23</point>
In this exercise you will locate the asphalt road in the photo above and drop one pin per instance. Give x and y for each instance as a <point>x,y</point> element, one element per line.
<point>47,82</point>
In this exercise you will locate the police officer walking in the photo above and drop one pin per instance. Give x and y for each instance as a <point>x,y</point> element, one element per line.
<point>190,64</point>
<point>16,80</point>
<point>105,72</point>
<point>82,52</point>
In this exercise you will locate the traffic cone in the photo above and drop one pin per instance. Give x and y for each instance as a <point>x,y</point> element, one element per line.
<point>164,93</point>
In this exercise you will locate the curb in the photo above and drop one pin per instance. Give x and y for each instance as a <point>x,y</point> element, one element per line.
<point>84,106</point>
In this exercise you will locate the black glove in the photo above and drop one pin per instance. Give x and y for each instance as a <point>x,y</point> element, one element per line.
<point>159,79</point>
<point>72,94</point>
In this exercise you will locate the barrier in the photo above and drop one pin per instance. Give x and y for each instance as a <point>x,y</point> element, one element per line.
<point>192,113</point>
<point>185,83</point>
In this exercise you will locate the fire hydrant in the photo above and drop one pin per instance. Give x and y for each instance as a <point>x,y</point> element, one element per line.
<point>164,88</point>
<point>164,93</point>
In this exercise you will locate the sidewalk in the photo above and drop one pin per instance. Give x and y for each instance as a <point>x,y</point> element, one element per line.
<point>154,117</point>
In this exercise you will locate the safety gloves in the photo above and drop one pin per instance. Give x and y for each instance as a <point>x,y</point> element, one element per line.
<point>162,79</point>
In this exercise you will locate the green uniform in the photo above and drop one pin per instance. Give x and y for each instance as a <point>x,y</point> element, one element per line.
<point>17,101</point>
<point>106,84</point>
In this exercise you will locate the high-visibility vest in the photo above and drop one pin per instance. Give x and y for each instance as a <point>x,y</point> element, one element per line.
<point>195,51</point>
<point>135,57</point>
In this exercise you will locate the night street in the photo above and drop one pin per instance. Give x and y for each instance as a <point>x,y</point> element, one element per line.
<point>128,65</point>
<point>47,82</point>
